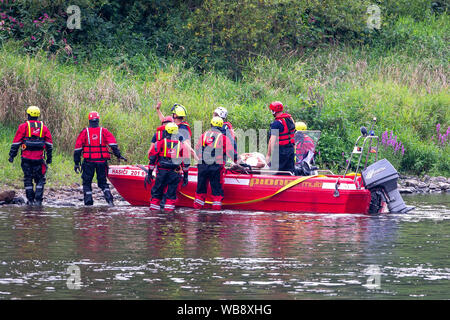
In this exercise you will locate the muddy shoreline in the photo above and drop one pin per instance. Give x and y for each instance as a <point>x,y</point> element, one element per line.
<point>63,196</point>
<point>73,195</point>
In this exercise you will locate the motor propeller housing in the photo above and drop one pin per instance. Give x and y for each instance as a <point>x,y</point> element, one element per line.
<point>382,176</point>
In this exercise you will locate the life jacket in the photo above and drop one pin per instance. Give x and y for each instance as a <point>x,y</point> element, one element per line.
<point>286,136</point>
<point>96,149</point>
<point>229,128</point>
<point>159,132</point>
<point>34,140</point>
<point>304,143</point>
<point>170,155</point>
<point>212,141</point>
<point>188,127</point>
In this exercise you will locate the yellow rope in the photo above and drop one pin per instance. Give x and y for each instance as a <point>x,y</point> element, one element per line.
<point>288,186</point>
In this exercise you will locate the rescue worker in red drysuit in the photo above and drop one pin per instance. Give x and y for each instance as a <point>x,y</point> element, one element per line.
<point>303,142</point>
<point>212,149</point>
<point>92,143</point>
<point>223,113</point>
<point>179,114</point>
<point>34,139</point>
<point>282,131</point>
<point>169,156</point>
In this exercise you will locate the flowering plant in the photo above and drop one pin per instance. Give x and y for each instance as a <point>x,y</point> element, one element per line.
<point>8,25</point>
<point>441,140</point>
<point>389,141</point>
<point>392,148</point>
<point>47,32</point>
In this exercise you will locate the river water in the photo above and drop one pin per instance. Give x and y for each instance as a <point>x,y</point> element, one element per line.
<point>128,252</point>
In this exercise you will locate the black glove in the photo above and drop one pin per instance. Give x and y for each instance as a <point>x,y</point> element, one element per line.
<point>77,168</point>
<point>48,161</point>
<point>123,158</point>
<point>185,178</point>
<point>11,159</point>
<point>149,177</point>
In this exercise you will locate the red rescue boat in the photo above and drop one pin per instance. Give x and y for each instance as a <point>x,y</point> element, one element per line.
<point>372,191</point>
<point>258,192</point>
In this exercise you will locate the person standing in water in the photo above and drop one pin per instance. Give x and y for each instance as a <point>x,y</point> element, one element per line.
<point>92,143</point>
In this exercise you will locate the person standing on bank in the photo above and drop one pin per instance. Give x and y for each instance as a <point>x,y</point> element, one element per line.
<point>35,140</point>
<point>282,131</point>
<point>93,143</point>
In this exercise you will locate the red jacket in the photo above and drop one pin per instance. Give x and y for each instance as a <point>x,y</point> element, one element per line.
<point>184,125</point>
<point>213,146</point>
<point>94,142</point>
<point>286,136</point>
<point>303,146</point>
<point>27,131</point>
<point>228,127</point>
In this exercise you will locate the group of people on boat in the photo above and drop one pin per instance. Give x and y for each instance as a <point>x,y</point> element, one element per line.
<point>169,154</point>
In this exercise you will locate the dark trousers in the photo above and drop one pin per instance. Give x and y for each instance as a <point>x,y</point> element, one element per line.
<point>33,171</point>
<point>213,174</point>
<point>286,159</point>
<point>101,169</point>
<point>169,179</point>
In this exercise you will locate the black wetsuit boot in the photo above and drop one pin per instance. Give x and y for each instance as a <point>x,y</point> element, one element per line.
<point>108,196</point>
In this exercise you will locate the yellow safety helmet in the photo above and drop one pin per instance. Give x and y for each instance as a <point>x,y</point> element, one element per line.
<point>34,111</point>
<point>171,128</point>
<point>179,110</point>
<point>217,122</point>
<point>300,126</point>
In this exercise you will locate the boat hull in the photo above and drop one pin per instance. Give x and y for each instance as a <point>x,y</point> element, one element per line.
<point>255,192</point>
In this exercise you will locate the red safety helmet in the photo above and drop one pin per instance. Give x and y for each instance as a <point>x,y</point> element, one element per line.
<point>94,115</point>
<point>167,119</point>
<point>276,106</point>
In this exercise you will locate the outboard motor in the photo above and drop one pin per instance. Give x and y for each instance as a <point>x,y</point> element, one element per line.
<point>381,179</point>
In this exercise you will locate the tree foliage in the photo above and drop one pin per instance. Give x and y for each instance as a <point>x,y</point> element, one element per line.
<point>206,34</point>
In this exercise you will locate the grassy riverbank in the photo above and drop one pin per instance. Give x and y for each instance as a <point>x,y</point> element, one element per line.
<point>336,89</point>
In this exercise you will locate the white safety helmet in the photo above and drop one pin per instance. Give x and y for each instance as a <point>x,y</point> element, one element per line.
<point>221,112</point>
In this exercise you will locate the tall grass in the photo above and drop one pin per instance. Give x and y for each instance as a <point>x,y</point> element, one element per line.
<point>335,89</point>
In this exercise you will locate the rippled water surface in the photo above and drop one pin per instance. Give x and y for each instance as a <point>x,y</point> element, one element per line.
<point>130,253</point>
